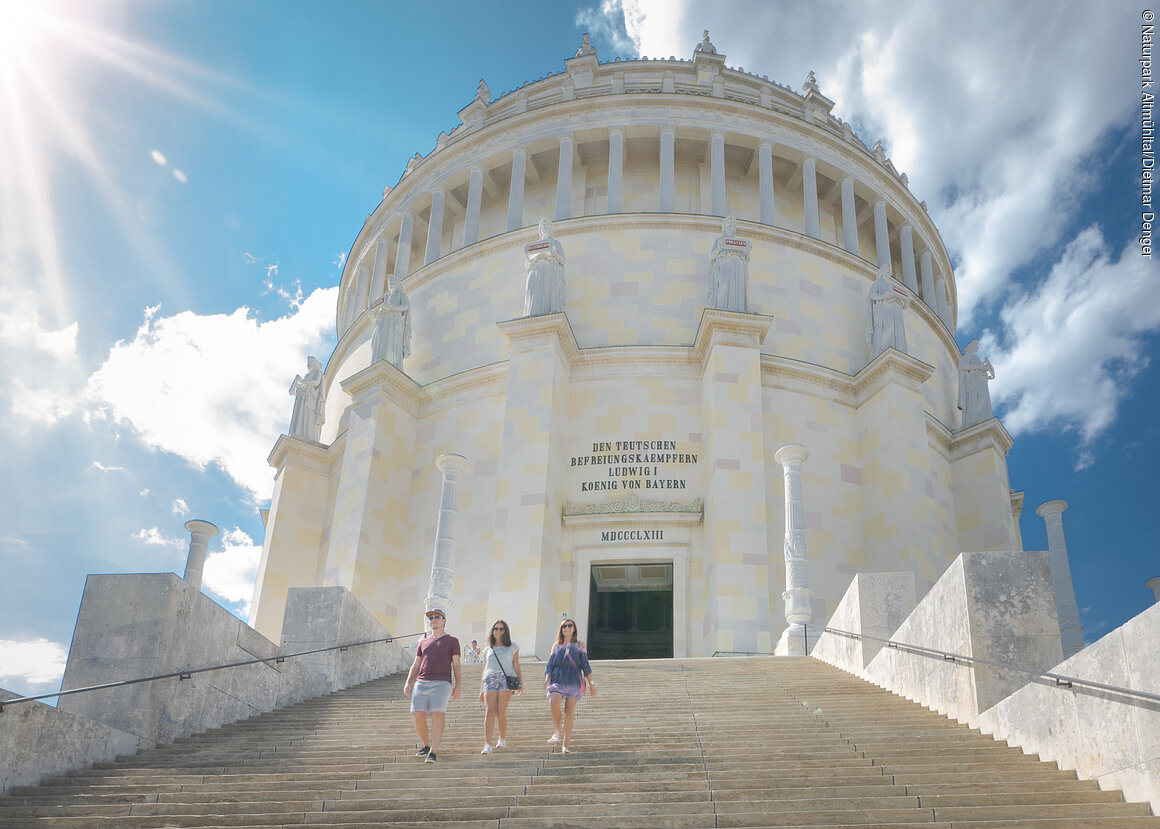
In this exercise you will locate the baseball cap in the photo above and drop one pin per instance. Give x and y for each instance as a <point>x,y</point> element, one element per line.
<point>435,611</point>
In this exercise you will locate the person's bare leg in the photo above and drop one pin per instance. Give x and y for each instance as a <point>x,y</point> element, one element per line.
<point>492,702</point>
<point>569,709</point>
<point>555,700</point>
<point>421,726</point>
<point>501,704</point>
<point>438,720</point>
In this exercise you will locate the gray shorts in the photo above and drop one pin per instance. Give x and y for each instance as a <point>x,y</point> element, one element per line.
<point>430,695</point>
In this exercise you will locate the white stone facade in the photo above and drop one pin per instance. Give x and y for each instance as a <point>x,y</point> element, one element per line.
<point>639,426</point>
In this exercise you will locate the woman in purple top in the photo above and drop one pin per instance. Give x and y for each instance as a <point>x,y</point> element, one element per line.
<point>564,680</point>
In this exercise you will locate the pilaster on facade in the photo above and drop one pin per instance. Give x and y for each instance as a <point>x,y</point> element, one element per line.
<point>736,552</point>
<point>982,488</point>
<point>900,514</point>
<point>524,585</point>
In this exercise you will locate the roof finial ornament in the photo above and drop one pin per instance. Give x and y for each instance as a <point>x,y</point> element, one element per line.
<point>811,84</point>
<point>586,47</point>
<point>482,93</point>
<point>705,45</point>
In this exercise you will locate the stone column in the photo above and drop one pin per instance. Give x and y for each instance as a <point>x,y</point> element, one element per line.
<point>403,254</point>
<point>441,585</point>
<point>435,226</point>
<point>615,169</point>
<point>474,197</point>
<point>765,182</point>
<point>797,597</point>
<point>849,217</point>
<point>1154,586</point>
<point>200,532</point>
<point>564,179</point>
<point>810,196</point>
<point>515,214</point>
<point>379,274</point>
<point>942,306</point>
<point>717,173</point>
<point>668,171</point>
<point>881,234</point>
<point>927,279</point>
<point>1070,628</point>
<point>906,243</point>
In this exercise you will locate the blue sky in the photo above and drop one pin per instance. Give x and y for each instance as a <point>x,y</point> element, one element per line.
<point>181,181</point>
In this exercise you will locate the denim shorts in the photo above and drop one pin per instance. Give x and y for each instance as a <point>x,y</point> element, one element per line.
<point>430,695</point>
<point>495,681</point>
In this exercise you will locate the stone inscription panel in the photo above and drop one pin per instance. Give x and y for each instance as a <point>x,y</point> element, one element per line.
<point>620,466</point>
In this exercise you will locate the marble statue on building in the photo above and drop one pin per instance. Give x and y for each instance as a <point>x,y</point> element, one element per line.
<point>885,325</point>
<point>391,340</point>
<point>545,292</point>
<point>309,399</point>
<point>974,396</point>
<point>729,270</point>
<point>705,45</point>
<point>586,48</point>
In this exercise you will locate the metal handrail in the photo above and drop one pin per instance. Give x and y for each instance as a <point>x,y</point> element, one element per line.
<point>1061,680</point>
<point>189,672</point>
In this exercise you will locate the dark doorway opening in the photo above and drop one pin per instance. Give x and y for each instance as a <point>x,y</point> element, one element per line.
<point>630,611</point>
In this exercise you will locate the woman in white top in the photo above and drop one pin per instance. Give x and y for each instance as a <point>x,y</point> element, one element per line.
<point>501,659</point>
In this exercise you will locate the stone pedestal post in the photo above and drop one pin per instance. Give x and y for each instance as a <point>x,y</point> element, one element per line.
<point>200,532</point>
<point>1154,586</point>
<point>441,584</point>
<point>797,597</point>
<point>1070,630</point>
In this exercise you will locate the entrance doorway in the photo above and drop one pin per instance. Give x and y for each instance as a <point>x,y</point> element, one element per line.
<point>630,611</point>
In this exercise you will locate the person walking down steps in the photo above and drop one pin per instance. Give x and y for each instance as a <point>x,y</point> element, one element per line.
<point>436,660</point>
<point>501,679</point>
<point>565,676</point>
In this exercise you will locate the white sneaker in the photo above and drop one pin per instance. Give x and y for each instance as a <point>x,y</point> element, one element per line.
<point>502,743</point>
<point>555,738</point>
<point>566,750</point>
<point>486,748</point>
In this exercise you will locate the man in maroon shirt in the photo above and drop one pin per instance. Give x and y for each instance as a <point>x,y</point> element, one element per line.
<point>436,658</point>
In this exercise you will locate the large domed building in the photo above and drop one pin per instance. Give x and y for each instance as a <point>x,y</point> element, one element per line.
<point>727,270</point>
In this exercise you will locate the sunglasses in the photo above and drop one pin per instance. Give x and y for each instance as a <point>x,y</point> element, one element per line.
<point>567,625</point>
<point>434,617</point>
<point>499,628</point>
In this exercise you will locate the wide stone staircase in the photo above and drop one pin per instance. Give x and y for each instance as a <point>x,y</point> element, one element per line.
<point>668,743</point>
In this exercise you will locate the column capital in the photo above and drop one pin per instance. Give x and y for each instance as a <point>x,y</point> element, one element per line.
<point>196,527</point>
<point>669,131</point>
<point>452,464</point>
<point>520,149</point>
<point>808,159</point>
<point>906,227</point>
<point>715,134</point>
<point>616,131</point>
<point>793,453</point>
<point>566,137</point>
<point>847,178</point>
<point>765,147</point>
<point>478,168</point>
<point>1048,508</point>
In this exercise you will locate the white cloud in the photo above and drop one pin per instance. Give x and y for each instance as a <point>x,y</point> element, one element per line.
<point>180,507</point>
<point>155,538</point>
<point>213,389</point>
<point>32,661</point>
<point>180,176</point>
<point>1070,349</point>
<point>157,157</point>
<point>43,369</point>
<point>102,468</point>
<point>230,573</point>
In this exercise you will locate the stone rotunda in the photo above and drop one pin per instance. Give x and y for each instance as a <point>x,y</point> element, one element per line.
<point>688,334</point>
